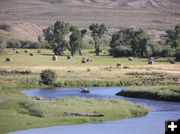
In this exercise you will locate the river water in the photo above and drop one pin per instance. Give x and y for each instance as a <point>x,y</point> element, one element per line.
<point>152,123</point>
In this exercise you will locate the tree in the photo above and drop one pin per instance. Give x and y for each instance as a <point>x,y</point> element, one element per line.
<point>121,38</point>
<point>48,76</point>
<point>134,42</point>
<point>76,42</point>
<point>55,35</point>
<point>1,46</point>
<point>97,33</point>
<point>139,43</point>
<point>178,55</point>
<point>173,37</point>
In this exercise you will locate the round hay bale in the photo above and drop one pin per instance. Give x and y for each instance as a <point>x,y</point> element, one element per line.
<point>54,58</point>
<point>172,62</point>
<point>150,62</point>
<point>17,51</point>
<point>119,65</point>
<point>130,58</point>
<point>8,60</point>
<point>69,57</point>
<point>26,51</point>
<point>31,54</point>
<point>84,60</point>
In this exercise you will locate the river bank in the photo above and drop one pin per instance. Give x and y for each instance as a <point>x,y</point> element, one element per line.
<point>21,112</point>
<point>165,93</point>
<point>151,123</point>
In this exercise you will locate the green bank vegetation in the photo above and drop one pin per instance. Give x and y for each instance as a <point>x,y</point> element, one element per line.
<point>165,93</point>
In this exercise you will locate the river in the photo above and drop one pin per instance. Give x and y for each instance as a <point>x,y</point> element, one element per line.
<point>152,123</point>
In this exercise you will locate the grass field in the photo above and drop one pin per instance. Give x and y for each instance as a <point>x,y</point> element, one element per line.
<point>102,68</point>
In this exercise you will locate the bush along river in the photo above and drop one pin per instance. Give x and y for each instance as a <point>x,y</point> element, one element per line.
<point>153,123</point>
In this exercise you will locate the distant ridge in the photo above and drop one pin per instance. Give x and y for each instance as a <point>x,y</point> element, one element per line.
<point>121,3</point>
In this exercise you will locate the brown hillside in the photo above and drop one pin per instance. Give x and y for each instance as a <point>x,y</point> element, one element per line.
<point>21,31</point>
<point>24,16</point>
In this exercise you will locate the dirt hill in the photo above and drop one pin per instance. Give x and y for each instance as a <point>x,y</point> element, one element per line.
<point>121,3</point>
<point>25,17</point>
<point>24,31</point>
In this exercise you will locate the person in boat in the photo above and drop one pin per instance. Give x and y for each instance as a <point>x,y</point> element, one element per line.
<point>83,89</point>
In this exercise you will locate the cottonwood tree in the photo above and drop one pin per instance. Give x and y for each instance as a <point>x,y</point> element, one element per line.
<point>173,37</point>
<point>55,35</point>
<point>76,41</point>
<point>139,43</point>
<point>128,42</point>
<point>97,31</point>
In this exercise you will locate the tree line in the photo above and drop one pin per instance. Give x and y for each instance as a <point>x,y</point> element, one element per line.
<point>126,42</point>
<point>55,35</point>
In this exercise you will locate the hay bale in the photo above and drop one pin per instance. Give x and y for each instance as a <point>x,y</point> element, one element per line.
<point>54,58</point>
<point>17,52</point>
<point>8,60</point>
<point>31,54</point>
<point>69,57</point>
<point>172,62</point>
<point>150,62</point>
<point>26,51</point>
<point>130,58</point>
<point>84,60</point>
<point>119,65</point>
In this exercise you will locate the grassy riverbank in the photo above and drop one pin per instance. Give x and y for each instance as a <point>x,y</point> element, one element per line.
<point>20,112</point>
<point>165,93</point>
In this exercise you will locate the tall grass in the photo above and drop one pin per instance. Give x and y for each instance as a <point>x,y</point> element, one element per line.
<point>166,93</point>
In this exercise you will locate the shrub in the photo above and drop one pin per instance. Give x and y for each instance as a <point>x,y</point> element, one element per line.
<point>2,45</point>
<point>48,77</point>
<point>178,55</point>
<point>119,51</point>
<point>14,72</point>
<point>168,52</point>
<point>156,49</point>
<point>26,44</point>
<point>14,44</point>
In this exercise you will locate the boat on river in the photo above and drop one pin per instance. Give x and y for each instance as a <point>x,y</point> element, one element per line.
<point>84,90</point>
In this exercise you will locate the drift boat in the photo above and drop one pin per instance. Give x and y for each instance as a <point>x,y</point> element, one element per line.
<point>84,90</point>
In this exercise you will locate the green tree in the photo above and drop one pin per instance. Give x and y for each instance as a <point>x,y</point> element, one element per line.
<point>173,37</point>
<point>177,55</point>
<point>48,77</point>
<point>129,41</point>
<point>55,35</point>
<point>139,43</point>
<point>97,33</point>
<point>76,41</point>
<point>1,46</point>
<point>121,38</point>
